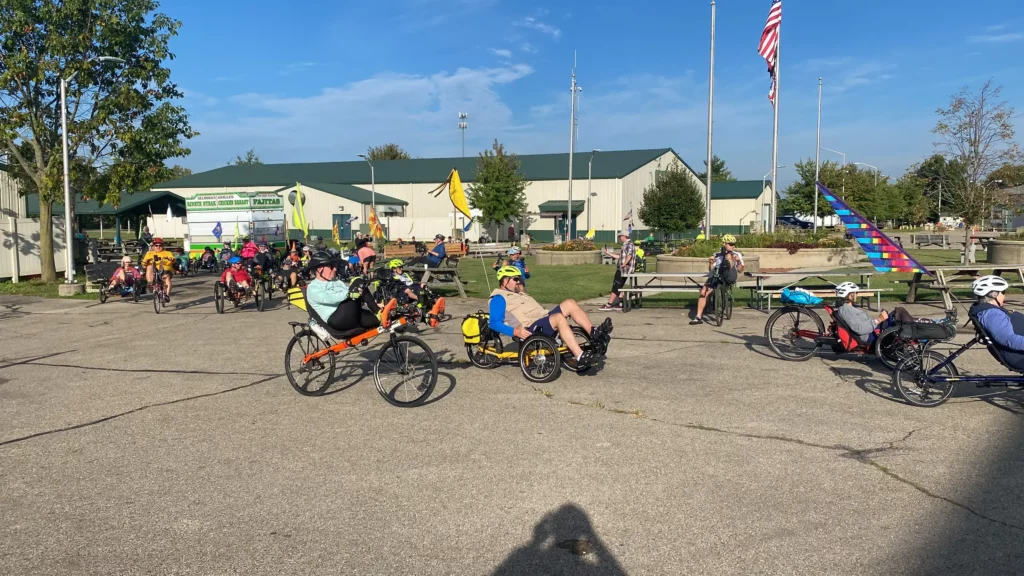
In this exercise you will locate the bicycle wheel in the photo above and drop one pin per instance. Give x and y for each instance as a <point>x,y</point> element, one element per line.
<point>910,379</point>
<point>308,378</point>
<point>729,301</point>
<point>158,298</point>
<point>583,339</point>
<point>718,305</point>
<point>486,354</point>
<point>405,371</point>
<point>103,294</point>
<point>218,297</point>
<point>891,348</point>
<point>791,332</point>
<point>538,359</point>
<point>259,296</point>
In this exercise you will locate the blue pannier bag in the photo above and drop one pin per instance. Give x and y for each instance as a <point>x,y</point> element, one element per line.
<point>800,297</point>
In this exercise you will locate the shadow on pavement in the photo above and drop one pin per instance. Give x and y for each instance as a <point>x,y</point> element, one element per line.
<point>564,542</point>
<point>756,344</point>
<point>451,387</point>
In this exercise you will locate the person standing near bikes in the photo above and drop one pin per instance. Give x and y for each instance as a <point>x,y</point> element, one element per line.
<point>159,259</point>
<point>727,262</point>
<point>626,263</point>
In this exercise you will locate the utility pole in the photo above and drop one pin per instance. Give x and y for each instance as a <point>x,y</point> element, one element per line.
<point>462,128</point>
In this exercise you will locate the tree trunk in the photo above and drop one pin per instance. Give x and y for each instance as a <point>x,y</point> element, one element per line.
<point>48,271</point>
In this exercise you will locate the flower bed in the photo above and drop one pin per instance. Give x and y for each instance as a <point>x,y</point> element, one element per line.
<point>789,241</point>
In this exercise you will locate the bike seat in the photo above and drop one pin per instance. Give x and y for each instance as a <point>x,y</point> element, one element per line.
<point>344,335</point>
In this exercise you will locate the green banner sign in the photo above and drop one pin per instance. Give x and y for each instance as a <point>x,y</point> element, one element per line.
<point>234,201</point>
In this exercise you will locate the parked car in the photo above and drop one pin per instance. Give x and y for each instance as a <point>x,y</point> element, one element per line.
<point>792,222</point>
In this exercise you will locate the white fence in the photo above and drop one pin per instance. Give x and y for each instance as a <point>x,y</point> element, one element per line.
<point>19,247</point>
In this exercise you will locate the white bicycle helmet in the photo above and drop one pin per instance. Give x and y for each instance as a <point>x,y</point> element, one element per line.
<point>987,284</point>
<point>846,288</point>
<point>514,250</point>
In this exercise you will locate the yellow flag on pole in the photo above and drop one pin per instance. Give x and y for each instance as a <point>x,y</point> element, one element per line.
<point>334,233</point>
<point>458,195</point>
<point>299,212</point>
<point>590,234</point>
<point>375,228</point>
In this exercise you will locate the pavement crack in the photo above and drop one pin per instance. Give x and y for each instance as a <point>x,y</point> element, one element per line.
<point>33,362</point>
<point>134,410</point>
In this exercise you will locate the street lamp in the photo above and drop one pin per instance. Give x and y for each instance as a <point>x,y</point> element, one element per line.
<point>373,184</point>
<point>69,269</point>
<point>462,128</point>
<point>764,182</point>
<point>590,172</point>
<point>869,166</point>
<point>843,154</point>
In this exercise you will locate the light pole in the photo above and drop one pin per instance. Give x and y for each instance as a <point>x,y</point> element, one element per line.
<point>843,154</point>
<point>373,186</point>
<point>462,127</point>
<point>590,173</point>
<point>69,269</point>
<point>869,166</point>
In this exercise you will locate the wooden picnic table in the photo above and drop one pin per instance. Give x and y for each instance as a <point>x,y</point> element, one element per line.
<point>640,283</point>
<point>760,295</point>
<point>424,275</point>
<point>946,277</point>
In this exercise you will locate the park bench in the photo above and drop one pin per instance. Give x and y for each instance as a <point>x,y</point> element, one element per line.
<point>825,293</point>
<point>440,275</point>
<point>920,240</point>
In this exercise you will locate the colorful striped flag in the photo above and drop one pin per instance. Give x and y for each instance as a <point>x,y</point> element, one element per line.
<point>769,44</point>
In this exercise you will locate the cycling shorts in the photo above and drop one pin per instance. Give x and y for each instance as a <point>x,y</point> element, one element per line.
<point>544,324</point>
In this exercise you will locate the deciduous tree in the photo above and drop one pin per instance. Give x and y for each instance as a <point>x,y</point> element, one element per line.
<point>389,151</point>
<point>498,189</point>
<point>674,203</point>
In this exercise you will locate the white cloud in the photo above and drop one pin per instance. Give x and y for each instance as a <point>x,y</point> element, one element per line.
<point>198,98</point>
<point>534,24</point>
<point>295,68</point>
<point>843,73</point>
<point>995,28</point>
<point>501,52</point>
<point>528,48</point>
<point>996,38</point>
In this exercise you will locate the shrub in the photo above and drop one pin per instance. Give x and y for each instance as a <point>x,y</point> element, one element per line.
<point>576,245</point>
<point>791,241</point>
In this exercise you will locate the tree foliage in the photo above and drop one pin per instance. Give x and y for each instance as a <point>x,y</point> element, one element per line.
<point>122,123</point>
<point>498,189</point>
<point>249,159</point>
<point>719,173</point>
<point>389,151</point>
<point>976,132</point>
<point>674,203</point>
<point>1006,176</point>
<point>178,171</point>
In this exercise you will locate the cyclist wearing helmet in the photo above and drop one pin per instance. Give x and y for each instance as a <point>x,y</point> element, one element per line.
<point>412,289</point>
<point>235,277</point>
<point>126,275</point>
<point>226,253</point>
<point>515,314</point>
<point>249,249</point>
<point>339,304</point>
<point>723,261</point>
<point>1006,328</point>
<point>862,324</point>
<point>515,258</point>
<point>159,259</point>
<point>264,259</point>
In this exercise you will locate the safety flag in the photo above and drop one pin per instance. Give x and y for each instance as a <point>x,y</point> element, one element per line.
<point>467,226</point>
<point>238,234</point>
<point>299,212</point>
<point>334,233</point>
<point>375,228</point>
<point>590,234</point>
<point>170,215</point>
<point>455,193</point>
<point>217,231</point>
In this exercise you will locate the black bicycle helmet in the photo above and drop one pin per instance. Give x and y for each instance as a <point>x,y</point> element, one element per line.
<point>321,259</point>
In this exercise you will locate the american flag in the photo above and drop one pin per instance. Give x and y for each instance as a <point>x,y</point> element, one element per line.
<point>770,42</point>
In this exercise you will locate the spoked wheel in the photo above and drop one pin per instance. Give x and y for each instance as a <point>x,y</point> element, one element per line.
<point>791,332</point>
<point>310,378</point>
<point>405,371</point>
<point>218,298</point>
<point>135,293</point>
<point>259,296</point>
<point>268,289</point>
<point>729,301</point>
<point>103,294</point>
<point>717,306</point>
<point>158,300</point>
<point>539,359</point>
<point>583,339</point>
<point>911,382</point>
<point>486,354</point>
<point>891,348</point>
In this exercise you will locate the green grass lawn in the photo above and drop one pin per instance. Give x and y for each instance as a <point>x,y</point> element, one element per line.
<point>40,289</point>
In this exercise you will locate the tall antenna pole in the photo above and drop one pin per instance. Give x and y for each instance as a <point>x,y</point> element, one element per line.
<point>462,128</point>
<point>817,157</point>
<point>711,100</point>
<point>572,146</point>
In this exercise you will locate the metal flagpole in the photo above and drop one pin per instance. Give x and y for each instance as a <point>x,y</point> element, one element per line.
<point>817,156</point>
<point>775,135</point>
<point>572,136</point>
<point>711,101</point>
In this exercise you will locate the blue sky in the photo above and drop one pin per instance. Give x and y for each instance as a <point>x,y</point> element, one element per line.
<point>323,82</point>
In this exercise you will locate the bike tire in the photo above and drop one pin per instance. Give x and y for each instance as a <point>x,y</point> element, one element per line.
<point>729,301</point>
<point>719,308</point>
<point>583,339</point>
<point>890,348</point>
<point>400,349</point>
<point>135,293</point>
<point>911,369</point>
<point>258,296</point>
<point>308,342</point>
<point>539,350</point>
<point>103,294</point>
<point>478,358</point>
<point>778,342</point>
<point>158,298</point>
<point>218,298</point>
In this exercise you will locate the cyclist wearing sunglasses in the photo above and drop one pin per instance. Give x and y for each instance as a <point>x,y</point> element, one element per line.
<point>515,314</point>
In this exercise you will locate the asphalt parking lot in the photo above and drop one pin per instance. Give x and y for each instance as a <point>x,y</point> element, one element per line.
<point>133,443</point>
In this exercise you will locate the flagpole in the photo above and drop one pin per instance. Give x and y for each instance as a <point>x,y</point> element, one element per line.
<point>572,145</point>
<point>817,159</point>
<point>775,133</point>
<point>711,100</point>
